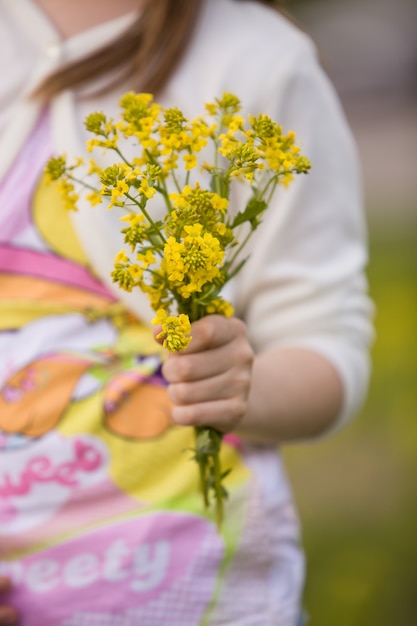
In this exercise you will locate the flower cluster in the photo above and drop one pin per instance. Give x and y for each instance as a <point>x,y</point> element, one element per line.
<point>183,260</point>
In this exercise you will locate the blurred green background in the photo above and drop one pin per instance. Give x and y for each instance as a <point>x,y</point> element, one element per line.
<point>356,491</point>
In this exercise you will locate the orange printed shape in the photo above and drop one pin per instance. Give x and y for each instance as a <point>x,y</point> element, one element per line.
<point>143,413</point>
<point>34,399</point>
<point>31,288</point>
<point>25,299</point>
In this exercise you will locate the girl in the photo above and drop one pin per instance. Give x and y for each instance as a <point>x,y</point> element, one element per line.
<point>100,515</point>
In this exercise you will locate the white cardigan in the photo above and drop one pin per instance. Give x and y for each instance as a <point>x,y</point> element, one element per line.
<point>304,284</point>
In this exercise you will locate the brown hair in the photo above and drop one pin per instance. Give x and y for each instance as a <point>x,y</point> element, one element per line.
<point>146,53</point>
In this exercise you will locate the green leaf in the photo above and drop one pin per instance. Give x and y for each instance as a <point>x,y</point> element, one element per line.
<point>252,212</point>
<point>207,296</point>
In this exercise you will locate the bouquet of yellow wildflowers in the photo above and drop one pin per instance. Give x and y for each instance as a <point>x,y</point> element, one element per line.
<point>183,260</point>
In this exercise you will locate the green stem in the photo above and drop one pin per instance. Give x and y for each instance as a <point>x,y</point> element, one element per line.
<point>81,182</point>
<point>121,156</point>
<point>230,262</point>
<point>218,489</point>
<point>202,464</point>
<point>175,179</point>
<point>274,186</point>
<point>194,313</point>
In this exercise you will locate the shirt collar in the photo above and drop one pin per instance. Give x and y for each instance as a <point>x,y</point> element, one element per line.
<point>50,43</point>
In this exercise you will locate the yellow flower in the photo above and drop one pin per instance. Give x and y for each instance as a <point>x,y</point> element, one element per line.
<point>227,146</point>
<point>96,123</point>
<point>156,289</point>
<point>288,178</point>
<point>70,197</point>
<point>145,189</point>
<point>139,113</point>
<point>134,219</point>
<point>94,198</point>
<point>94,168</point>
<point>219,203</point>
<point>169,164</point>
<point>175,330</point>
<point>55,168</point>
<point>194,230</point>
<point>120,189</point>
<point>194,261</point>
<point>122,274</point>
<point>211,108</point>
<point>190,161</point>
<point>110,144</point>
<point>121,257</point>
<point>146,259</point>
<point>93,143</point>
<point>135,233</point>
<point>235,122</point>
<point>180,199</point>
<point>220,306</point>
<point>135,271</point>
<point>175,266</point>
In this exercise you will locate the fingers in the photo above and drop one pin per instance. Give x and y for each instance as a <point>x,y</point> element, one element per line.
<point>229,384</point>
<point>218,345</point>
<point>224,415</point>
<point>220,401</point>
<point>209,381</point>
<point>8,615</point>
<point>213,331</point>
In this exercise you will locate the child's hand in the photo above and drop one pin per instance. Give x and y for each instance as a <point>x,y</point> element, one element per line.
<point>8,615</point>
<point>209,381</point>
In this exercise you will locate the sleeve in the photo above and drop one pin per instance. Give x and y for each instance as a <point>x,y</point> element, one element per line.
<point>304,284</point>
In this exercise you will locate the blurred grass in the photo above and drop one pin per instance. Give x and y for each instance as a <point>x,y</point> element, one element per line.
<point>356,491</point>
